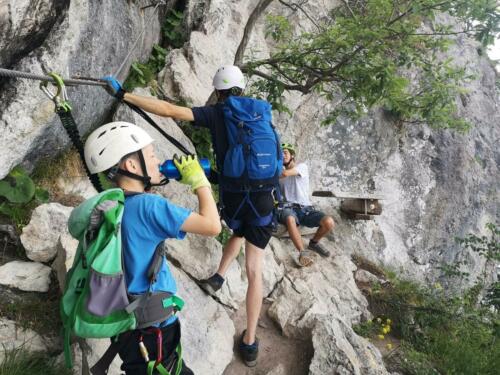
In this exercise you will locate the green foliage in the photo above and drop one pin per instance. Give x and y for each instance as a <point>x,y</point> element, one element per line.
<point>172,29</point>
<point>224,236</point>
<point>439,334</point>
<point>19,196</point>
<point>141,74</point>
<point>144,74</point>
<point>377,53</point>
<point>442,333</point>
<point>20,361</point>
<point>488,246</point>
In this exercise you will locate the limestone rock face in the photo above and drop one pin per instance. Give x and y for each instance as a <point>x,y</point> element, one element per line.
<point>308,293</point>
<point>27,276</point>
<point>338,350</point>
<point>66,250</point>
<point>207,330</point>
<point>25,24</point>
<point>87,38</point>
<point>39,238</point>
<point>12,337</point>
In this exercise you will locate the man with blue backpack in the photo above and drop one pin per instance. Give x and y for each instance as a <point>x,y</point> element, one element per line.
<point>249,163</point>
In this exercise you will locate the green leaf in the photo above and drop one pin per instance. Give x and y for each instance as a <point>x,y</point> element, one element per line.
<point>41,195</point>
<point>17,187</point>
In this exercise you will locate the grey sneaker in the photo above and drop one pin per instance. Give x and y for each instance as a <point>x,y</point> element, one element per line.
<point>315,246</point>
<point>304,258</point>
<point>249,353</point>
<point>212,284</point>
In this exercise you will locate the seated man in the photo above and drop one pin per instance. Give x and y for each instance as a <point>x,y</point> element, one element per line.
<point>297,209</point>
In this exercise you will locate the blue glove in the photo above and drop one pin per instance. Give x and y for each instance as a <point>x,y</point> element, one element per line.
<point>114,87</point>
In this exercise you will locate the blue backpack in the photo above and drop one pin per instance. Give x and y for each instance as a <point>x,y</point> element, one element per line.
<point>254,159</point>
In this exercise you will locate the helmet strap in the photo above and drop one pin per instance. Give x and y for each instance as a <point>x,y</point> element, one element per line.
<point>145,179</point>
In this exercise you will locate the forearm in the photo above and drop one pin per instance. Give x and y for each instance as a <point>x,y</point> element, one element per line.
<point>160,107</point>
<point>150,105</point>
<point>289,172</point>
<point>208,207</point>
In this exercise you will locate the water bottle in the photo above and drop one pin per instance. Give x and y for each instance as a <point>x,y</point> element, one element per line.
<point>169,170</point>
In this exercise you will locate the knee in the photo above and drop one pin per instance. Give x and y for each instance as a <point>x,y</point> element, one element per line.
<point>254,273</point>
<point>328,223</point>
<point>290,221</point>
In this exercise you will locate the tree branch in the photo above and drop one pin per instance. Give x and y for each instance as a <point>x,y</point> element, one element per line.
<point>240,52</point>
<point>295,6</point>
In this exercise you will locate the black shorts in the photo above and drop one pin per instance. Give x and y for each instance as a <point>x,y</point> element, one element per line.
<point>264,204</point>
<point>133,362</point>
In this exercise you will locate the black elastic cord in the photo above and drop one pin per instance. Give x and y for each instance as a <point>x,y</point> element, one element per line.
<point>70,126</point>
<point>146,117</point>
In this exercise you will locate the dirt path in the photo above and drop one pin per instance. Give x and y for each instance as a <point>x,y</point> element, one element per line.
<point>275,349</point>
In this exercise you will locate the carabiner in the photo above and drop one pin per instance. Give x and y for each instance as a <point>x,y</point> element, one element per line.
<point>60,97</point>
<point>159,345</point>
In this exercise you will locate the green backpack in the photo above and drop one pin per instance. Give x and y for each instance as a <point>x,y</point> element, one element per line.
<point>95,303</point>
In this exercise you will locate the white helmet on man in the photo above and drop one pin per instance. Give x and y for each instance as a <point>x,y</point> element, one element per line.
<point>229,76</point>
<point>108,144</point>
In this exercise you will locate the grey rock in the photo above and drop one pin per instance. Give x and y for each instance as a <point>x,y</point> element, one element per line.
<point>338,350</point>
<point>66,250</point>
<point>14,337</point>
<point>39,238</point>
<point>309,293</point>
<point>27,276</point>
<point>278,370</point>
<point>89,38</point>
<point>366,277</point>
<point>207,330</point>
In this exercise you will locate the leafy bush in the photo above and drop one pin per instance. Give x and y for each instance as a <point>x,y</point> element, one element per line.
<point>172,29</point>
<point>141,74</point>
<point>19,196</point>
<point>441,333</point>
<point>20,362</point>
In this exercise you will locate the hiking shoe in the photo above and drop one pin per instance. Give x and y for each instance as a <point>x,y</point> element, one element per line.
<point>315,246</point>
<point>212,284</point>
<point>305,259</point>
<point>249,353</point>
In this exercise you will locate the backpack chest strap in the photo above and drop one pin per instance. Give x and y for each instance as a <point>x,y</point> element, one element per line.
<point>153,308</point>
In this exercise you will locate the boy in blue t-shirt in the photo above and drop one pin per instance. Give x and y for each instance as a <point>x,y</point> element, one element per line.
<point>228,81</point>
<point>124,152</point>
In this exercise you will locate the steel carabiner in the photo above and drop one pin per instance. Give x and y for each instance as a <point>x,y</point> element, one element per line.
<point>60,97</point>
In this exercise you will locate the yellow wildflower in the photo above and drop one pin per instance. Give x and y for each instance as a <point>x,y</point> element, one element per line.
<point>381,337</point>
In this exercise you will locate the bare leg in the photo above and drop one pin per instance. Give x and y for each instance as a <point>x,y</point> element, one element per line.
<point>253,259</point>
<point>230,252</point>
<point>294,233</point>
<point>325,226</point>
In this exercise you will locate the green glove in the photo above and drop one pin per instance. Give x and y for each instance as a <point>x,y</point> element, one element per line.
<point>191,172</point>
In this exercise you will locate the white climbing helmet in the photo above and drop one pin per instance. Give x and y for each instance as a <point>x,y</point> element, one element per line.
<point>229,76</point>
<point>108,144</point>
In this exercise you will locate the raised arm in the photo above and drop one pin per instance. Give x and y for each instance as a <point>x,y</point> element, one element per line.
<point>160,107</point>
<point>206,221</point>
<point>152,105</point>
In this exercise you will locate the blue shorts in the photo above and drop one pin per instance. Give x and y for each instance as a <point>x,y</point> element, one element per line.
<point>305,215</point>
